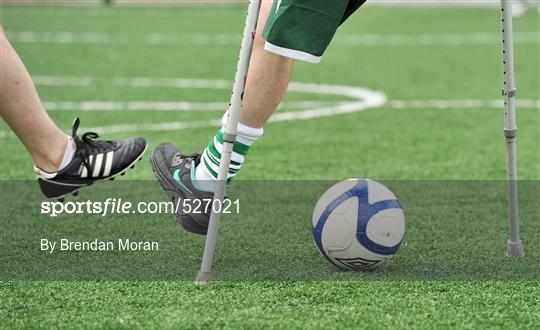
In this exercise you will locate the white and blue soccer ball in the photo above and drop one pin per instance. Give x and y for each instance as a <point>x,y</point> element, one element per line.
<point>358,224</point>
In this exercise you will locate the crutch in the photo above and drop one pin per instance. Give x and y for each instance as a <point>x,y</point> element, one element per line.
<point>514,247</point>
<point>229,137</point>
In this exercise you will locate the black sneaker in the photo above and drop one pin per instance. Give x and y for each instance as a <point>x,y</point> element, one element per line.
<point>175,173</point>
<point>93,160</point>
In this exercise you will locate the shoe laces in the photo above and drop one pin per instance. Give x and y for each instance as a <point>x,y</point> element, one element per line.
<point>87,145</point>
<point>196,157</point>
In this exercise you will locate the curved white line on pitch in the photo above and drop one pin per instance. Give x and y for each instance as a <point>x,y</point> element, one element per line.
<point>362,99</point>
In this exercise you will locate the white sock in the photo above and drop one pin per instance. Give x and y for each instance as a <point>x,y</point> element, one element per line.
<point>71,147</point>
<point>206,171</point>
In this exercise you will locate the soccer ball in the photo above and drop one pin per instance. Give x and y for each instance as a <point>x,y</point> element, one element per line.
<point>358,224</point>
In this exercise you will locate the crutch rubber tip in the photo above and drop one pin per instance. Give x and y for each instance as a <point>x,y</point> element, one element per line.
<point>203,278</point>
<point>515,249</point>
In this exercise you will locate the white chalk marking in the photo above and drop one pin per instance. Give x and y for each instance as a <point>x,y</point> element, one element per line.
<point>365,39</point>
<point>166,106</point>
<point>362,99</point>
<point>460,104</point>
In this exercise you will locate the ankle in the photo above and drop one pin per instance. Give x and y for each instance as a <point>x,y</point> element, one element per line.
<point>46,163</point>
<point>207,170</point>
<point>49,159</point>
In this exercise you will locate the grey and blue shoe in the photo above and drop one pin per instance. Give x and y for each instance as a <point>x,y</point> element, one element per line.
<point>175,173</point>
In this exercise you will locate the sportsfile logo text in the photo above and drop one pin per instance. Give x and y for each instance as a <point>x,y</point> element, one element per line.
<point>112,206</point>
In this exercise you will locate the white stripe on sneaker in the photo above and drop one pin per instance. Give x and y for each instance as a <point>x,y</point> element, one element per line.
<point>84,173</point>
<point>108,163</point>
<point>97,166</point>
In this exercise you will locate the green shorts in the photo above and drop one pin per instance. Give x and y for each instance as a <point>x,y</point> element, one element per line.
<point>303,29</point>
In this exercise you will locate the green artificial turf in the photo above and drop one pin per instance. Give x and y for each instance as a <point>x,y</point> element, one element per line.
<point>312,305</point>
<point>444,164</point>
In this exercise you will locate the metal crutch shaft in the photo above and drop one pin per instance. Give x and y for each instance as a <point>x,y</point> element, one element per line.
<point>514,245</point>
<point>229,137</point>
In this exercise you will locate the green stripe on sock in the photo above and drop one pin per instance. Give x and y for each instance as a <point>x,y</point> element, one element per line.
<point>209,156</point>
<point>209,168</point>
<point>214,174</point>
<point>217,154</point>
<point>238,147</point>
<point>216,162</point>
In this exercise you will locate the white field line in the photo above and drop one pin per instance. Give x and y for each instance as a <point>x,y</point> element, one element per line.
<point>362,99</point>
<point>368,39</point>
<point>167,106</point>
<point>131,82</point>
<point>172,126</point>
<point>87,4</point>
<point>296,105</point>
<point>343,108</point>
<point>222,106</point>
<point>428,39</point>
<point>460,104</point>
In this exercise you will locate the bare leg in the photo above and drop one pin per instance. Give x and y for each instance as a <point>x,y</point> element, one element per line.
<point>268,77</point>
<point>267,80</point>
<point>21,108</point>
